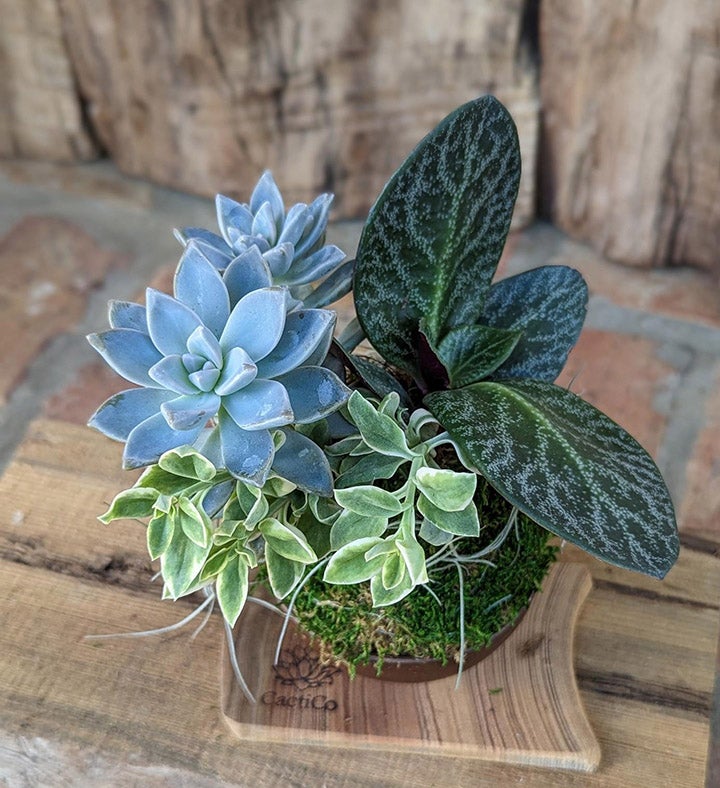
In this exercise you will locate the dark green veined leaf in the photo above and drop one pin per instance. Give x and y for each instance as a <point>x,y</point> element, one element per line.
<point>471,353</point>
<point>567,466</point>
<point>376,377</point>
<point>433,239</point>
<point>548,306</point>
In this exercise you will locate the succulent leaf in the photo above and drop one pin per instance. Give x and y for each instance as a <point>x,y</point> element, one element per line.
<point>129,352</point>
<point>121,413</point>
<point>154,437</point>
<point>170,322</point>
<point>247,454</point>
<point>124,314</point>
<point>305,331</point>
<point>246,273</point>
<point>314,392</point>
<point>289,245</point>
<point>303,462</point>
<point>199,286</point>
<point>338,284</point>
<point>256,322</point>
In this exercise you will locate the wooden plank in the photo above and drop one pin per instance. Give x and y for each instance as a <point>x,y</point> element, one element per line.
<point>641,186</point>
<point>155,701</point>
<point>520,705</point>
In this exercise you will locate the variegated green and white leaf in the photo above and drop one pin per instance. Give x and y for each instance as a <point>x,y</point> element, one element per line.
<point>461,523</point>
<point>287,541</point>
<point>446,489</point>
<point>382,597</point>
<point>193,521</point>
<point>567,466</point>
<point>231,588</point>
<point>159,534</point>
<point>370,501</point>
<point>181,563</point>
<point>351,563</point>
<point>187,462</point>
<point>393,571</point>
<point>378,430</point>
<point>283,573</point>
<point>351,526</point>
<point>414,557</point>
<point>432,534</point>
<point>131,504</point>
<point>368,469</point>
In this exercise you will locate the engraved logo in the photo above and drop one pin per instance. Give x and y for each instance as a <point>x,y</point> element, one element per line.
<point>298,668</point>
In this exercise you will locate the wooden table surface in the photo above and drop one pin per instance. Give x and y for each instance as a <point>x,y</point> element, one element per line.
<point>146,711</point>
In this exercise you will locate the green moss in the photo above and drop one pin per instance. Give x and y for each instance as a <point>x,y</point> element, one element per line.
<point>351,630</point>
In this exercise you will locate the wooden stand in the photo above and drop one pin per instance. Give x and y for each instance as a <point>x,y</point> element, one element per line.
<point>520,705</point>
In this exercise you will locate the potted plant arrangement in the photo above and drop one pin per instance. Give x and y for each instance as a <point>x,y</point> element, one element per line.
<point>400,503</point>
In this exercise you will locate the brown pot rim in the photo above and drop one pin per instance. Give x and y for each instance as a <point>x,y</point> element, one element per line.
<point>411,669</point>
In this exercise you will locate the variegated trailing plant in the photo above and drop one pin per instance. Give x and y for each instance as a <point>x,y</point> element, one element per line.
<point>276,454</point>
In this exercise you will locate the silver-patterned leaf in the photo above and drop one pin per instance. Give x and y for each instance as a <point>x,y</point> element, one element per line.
<point>548,306</point>
<point>567,466</point>
<point>433,239</point>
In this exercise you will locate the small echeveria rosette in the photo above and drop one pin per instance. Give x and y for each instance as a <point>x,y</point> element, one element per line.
<point>283,248</point>
<point>220,366</point>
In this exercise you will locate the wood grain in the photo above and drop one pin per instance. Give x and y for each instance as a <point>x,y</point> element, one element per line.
<point>644,654</point>
<point>42,116</point>
<point>202,95</point>
<point>519,705</point>
<point>631,111</point>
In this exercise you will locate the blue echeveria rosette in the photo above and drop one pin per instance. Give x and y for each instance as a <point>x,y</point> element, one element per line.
<point>219,366</point>
<point>289,247</point>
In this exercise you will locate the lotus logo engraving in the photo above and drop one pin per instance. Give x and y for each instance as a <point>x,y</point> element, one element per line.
<point>298,667</point>
<point>301,670</point>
